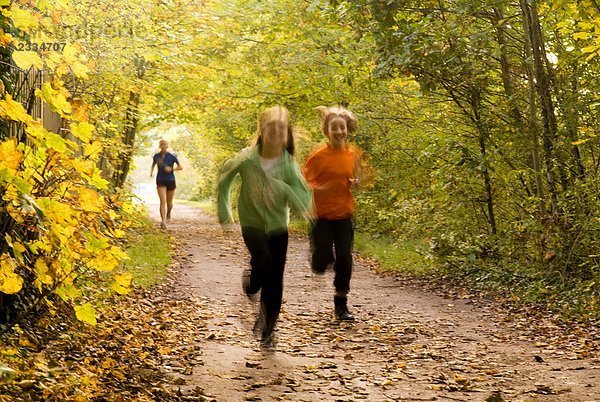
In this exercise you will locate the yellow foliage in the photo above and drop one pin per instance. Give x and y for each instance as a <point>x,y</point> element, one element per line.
<point>94,149</point>
<point>19,247</point>
<point>10,157</point>
<point>56,98</point>
<point>71,53</point>
<point>95,242</point>
<point>90,200</point>
<point>97,181</point>
<point>581,35</point>
<point>80,112</point>
<point>80,70</point>
<point>56,142</point>
<point>23,19</point>
<point>5,39</point>
<point>104,261</point>
<point>36,130</point>
<point>41,244</point>
<point>118,233</point>
<point>122,283</point>
<point>43,272</point>
<point>14,213</point>
<point>56,211</point>
<point>62,69</point>
<point>14,110</point>
<point>86,313</point>
<point>68,292</point>
<point>84,167</point>
<point>10,281</point>
<point>580,142</point>
<point>83,131</point>
<point>51,184</point>
<point>11,195</point>
<point>118,253</point>
<point>27,59</point>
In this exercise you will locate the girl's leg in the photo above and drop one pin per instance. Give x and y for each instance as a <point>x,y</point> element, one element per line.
<point>272,292</point>
<point>260,260</point>
<point>162,196</point>
<point>344,236</point>
<point>170,196</point>
<point>343,239</point>
<point>321,245</point>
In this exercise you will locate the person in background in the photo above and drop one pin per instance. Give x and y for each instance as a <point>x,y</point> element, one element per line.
<point>271,182</point>
<point>332,172</point>
<point>165,162</point>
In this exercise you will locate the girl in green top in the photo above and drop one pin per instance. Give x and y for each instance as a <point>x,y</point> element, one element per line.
<point>271,183</point>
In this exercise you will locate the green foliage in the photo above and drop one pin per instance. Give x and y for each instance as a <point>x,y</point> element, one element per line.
<point>446,118</point>
<point>476,144</point>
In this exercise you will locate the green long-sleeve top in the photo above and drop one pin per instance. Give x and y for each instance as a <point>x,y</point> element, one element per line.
<point>264,200</point>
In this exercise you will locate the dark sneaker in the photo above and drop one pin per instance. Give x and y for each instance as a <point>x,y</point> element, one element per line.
<point>264,328</point>
<point>321,271</point>
<point>341,309</point>
<point>268,343</point>
<point>344,315</point>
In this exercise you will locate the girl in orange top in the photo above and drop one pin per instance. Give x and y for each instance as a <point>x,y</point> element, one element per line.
<point>332,172</point>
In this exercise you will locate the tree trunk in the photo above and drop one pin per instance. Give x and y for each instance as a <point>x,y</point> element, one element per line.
<point>509,90</point>
<point>132,119</point>
<point>483,135</point>
<point>571,118</point>
<point>131,126</point>
<point>538,84</point>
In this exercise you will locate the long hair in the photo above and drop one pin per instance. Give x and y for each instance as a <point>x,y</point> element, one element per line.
<point>276,113</point>
<point>331,112</point>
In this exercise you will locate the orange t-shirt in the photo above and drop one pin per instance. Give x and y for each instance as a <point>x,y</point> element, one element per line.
<point>328,172</point>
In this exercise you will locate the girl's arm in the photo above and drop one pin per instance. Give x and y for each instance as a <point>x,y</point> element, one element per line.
<point>152,168</point>
<point>355,181</point>
<point>226,175</point>
<point>297,191</point>
<point>178,164</point>
<point>311,174</point>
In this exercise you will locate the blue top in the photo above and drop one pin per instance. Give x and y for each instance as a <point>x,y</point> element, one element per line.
<point>168,160</point>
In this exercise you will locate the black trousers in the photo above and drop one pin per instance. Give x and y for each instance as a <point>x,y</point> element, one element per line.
<point>325,237</point>
<point>267,260</point>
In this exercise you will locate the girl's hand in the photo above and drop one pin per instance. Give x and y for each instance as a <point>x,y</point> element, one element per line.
<point>322,187</point>
<point>168,169</point>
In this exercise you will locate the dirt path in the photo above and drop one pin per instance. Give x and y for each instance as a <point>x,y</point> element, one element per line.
<point>406,345</point>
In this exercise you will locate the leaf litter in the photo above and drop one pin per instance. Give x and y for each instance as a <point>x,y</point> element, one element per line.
<point>175,342</point>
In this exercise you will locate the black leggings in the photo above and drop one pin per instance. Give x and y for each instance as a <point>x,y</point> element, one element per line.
<point>267,259</point>
<point>324,235</point>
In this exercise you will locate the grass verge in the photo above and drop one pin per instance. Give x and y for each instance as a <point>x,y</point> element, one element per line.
<point>150,254</point>
<point>407,257</point>
<point>206,205</point>
<point>570,298</point>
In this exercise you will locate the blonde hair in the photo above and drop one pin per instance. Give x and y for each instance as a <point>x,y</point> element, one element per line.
<point>276,113</point>
<point>331,112</point>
